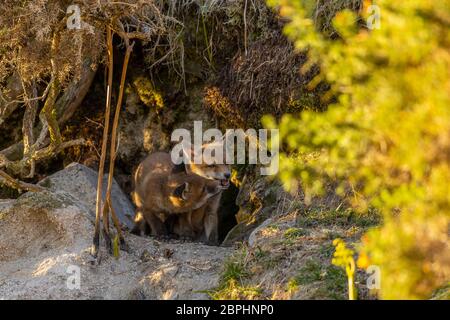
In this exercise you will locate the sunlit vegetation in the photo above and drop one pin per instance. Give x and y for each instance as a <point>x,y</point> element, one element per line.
<point>385,137</point>
<point>359,89</point>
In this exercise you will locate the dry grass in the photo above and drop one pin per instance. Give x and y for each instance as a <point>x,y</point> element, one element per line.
<point>266,80</point>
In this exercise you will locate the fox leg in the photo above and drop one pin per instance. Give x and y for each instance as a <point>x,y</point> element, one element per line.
<point>158,227</point>
<point>211,220</point>
<point>139,223</point>
<point>183,228</point>
<point>197,217</point>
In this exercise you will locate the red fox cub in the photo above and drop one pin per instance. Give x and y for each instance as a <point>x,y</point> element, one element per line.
<point>204,221</point>
<point>201,220</point>
<point>160,193</point>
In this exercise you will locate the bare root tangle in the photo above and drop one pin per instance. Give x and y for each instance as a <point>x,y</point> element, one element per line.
<point>35,150</point>
<point>39,49</point>
<point>47,111</point>
<point>65,107</point>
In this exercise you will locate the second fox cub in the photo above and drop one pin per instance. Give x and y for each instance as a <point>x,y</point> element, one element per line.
<point>160,193</point>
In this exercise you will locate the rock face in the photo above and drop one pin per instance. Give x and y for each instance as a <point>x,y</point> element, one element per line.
<point>258,200</point>
<point>44,254</point>
<point>148,121</point>
<point>81,182</point>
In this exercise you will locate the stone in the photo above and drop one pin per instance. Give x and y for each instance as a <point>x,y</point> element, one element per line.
<point>81,183</point>
<point>252,239</point>
<point>45,240</point>
<point>258,200</point>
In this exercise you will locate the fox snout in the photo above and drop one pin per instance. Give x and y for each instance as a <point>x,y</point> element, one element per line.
<point>225,183</point>
<point>219,172</point>
<point>224,179</point>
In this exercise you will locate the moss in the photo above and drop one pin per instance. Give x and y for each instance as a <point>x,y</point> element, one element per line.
<point>292,236</point>
<point>341,217</point>
<point>273,227</point>
<point>235,291</point>
<point>309,273</point>
<point>292,285</point>
<point>234,269</point>
<point>8,193</point>
<point>294,233</point>
<point>335,283</point>
<point>266,259</point>
<point>332,279</point>
<point>442,293</point>
<point>326,250</point>
<point>46,183</point>
<point>45,200</point>
<point>147,93</point>
<point>231,284</point>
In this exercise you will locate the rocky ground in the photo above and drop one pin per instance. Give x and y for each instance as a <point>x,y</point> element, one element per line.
<point>285,248</point>
<point>45,240</point>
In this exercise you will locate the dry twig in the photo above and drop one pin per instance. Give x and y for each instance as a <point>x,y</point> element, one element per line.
<point>98,211</point>
<point>17,184</point>
<point>108,206</point>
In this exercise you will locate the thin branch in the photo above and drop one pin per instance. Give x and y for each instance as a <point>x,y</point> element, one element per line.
<point>27,100</point>
<point>245,28</point>
<point>17,184</point>
<point>17,166</point>
<point>98,207</point>
<point>113,149</point>
<point>51,150</point>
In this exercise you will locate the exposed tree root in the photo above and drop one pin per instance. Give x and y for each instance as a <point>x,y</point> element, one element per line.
<point>17,184</point>
<point>41,148</point>
<point>65,107</point>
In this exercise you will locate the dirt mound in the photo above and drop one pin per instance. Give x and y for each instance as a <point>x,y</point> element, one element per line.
<point>44,253</point>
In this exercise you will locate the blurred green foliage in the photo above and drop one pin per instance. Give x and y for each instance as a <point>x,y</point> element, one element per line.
<point>386,135</point>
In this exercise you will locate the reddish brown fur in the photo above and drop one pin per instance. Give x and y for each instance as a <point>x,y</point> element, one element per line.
<point>156,195</point>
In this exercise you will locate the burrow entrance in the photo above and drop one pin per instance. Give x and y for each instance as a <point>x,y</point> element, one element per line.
<point>227,211</point>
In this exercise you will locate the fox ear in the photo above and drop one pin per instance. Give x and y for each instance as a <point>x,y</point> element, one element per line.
<point>181,190</point>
